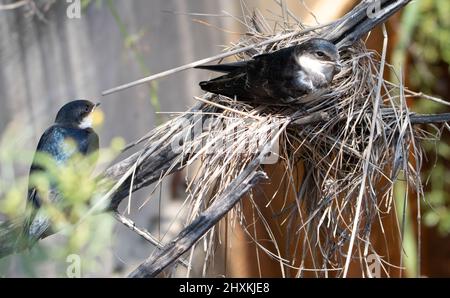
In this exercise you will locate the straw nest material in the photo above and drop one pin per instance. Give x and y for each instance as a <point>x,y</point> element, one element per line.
<point>351,143</point>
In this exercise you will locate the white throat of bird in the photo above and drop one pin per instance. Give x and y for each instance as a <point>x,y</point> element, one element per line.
<point>312,65</point>
<point>86,122</point>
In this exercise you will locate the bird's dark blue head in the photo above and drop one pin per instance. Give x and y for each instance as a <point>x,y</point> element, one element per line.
<point>76,113</point>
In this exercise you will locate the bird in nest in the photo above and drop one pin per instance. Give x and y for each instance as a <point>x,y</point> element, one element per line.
<point>284,75</point>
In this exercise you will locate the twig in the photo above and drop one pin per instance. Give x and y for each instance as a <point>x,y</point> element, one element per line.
<point>289,12</point>
<point>191,234</point>
<point>284,11</point>
<point>14,5</point>
<point>420,94</point>
<point>358,22</point>
<point>144,234</point>
<point>197,108</point>
<point>431,118</point>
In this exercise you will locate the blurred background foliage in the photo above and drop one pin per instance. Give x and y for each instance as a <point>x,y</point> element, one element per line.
<point>429,63</point>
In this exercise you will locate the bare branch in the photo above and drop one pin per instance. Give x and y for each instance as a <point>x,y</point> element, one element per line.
<point>362,19</point>
<point>144,234</point>
<point>431,118</point>
<point>192,233</point>
<point>14,5</point>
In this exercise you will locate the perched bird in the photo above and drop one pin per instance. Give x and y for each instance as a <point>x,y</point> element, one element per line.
<point>283,75</point>
<point>70,134</point>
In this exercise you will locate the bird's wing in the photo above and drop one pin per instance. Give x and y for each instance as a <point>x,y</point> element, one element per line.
<point>277,74</point>
<point>230,85</point>
<point>272,66</point>
<point>226,67</point>
<point>51,143</point>
<point>89,147</point>
<point>258,69</point>
<point>48,143</point>
<point>257,79</point>
<point>92,143</point>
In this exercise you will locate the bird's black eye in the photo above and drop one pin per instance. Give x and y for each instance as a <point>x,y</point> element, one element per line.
<point>320,54</point>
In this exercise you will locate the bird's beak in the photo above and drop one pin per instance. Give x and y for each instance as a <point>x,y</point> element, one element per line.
<point>96,105</point>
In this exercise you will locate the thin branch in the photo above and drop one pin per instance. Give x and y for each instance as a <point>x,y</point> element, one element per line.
<point>362,19</point>
<point>430,118</point>
<point>289,12</point>
<point>14,5</point>
<point>197,229</point>
<point>144,234</point>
